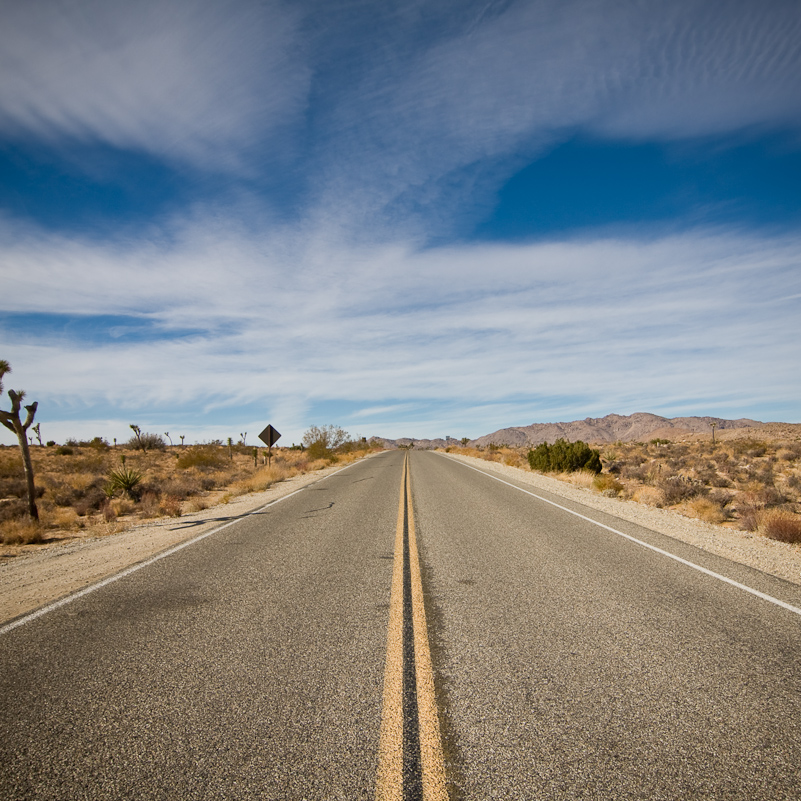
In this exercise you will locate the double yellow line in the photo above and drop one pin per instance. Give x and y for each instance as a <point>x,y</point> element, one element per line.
<point>410,757</point>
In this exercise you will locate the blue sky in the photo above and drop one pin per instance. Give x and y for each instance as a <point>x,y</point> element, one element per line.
<point>406,218</point>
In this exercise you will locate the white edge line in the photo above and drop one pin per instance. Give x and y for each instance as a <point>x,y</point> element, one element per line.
<point>139,565</point>
<point>694,566</point>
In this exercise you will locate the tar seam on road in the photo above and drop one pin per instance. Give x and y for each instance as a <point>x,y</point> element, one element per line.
<point>411,765</point>
<point>139,565</point>
<point>687,563</point>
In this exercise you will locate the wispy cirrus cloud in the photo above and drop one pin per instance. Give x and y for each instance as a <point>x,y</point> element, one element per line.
<point>205,83</point>
<point>391,332</point>
<point>490,95</point>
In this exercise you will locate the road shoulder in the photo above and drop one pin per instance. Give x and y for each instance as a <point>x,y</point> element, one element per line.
<point>775,558</point>
<point>34,580</point>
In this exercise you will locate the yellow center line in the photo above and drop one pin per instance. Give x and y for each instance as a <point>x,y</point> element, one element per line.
<point>389,780</point>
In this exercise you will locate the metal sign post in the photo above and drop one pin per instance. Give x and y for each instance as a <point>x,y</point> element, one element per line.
<point>269,437</point>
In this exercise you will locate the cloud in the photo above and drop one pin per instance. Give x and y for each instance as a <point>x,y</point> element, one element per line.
<point>485,98</point>
<point>388,118</point>
<point>602,324</point>
<point>202,82</point>
<point>395,122</point>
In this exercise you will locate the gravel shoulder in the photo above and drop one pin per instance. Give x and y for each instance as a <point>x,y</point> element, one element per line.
<point>776,558</point>
<point>33,580</point>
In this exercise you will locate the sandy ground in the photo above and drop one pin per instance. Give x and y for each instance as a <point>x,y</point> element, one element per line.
<point>36,579</point>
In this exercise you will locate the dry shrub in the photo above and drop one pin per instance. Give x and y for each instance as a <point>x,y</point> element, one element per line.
<point>581,478</point>
<point>607,484</point>
<point>749,517</point>
<point>63,517</point>
<point>14,487</point>
<point>149,505</point>
<point>10,465</point>
<point>108,512</point>
<point>652,496</point>
<point>196,505</point>
<point>13,509</point>
<point>761,496</point>
<point>20,532</point>
<point>677,489</point>
<point>514,459</point>
<point>202,457</point>
<point>170,506</point>
<point>636,472</point>
<point>61,493</point>
<point>707,509</point>
<point>122,506</point>
<point>261,480</point>
<point>91,502</point>
<point>720,481</point>
<point>89,462</point>
<point>780,525</point>
<point>181,487</point>
<point>471,452</point>
<point>81,491</point>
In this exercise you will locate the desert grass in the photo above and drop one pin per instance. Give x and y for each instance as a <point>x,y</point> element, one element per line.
<point>80,491</point>
<point>22,532</point>
<point>580,478</point>
<point>706,509</point>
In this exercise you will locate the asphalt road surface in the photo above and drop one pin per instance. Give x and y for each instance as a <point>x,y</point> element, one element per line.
<point>569,662</point>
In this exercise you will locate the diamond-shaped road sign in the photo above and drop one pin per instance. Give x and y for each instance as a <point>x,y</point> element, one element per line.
<point>269,436</point>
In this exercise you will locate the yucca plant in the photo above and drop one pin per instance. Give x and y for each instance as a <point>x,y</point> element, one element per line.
<point>125,479</point>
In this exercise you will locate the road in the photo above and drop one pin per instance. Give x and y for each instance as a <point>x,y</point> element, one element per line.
<point>568,661</point>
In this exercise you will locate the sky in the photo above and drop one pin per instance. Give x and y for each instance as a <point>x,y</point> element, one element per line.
<point>419,219</point>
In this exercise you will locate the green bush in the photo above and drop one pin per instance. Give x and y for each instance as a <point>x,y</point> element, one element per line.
<point>564,457</point>
<point>96,442</point>
<point>147,442</point>
<point>322,441</point>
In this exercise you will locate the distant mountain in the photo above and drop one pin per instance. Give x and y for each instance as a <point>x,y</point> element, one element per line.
<point>420,444</point>
<point>612,428</point>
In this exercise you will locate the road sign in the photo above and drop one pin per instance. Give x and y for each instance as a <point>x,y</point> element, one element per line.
<point>269,436</point>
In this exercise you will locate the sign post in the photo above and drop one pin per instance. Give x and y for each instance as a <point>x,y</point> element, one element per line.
<point>269,437</point>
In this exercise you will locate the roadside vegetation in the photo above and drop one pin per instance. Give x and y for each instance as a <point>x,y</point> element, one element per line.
<point>746,484</point>
<point>93,488</point>
<point>564,457</point>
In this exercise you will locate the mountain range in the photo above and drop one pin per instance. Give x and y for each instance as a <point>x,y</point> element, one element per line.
<point>612,428</point>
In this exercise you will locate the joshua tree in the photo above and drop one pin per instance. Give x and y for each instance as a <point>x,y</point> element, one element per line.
<point>244,438</point>
<point>138,432</point>
<point>38,433</point>
<point>11,420</point>
<point>167,434</point>
<point>183,437</point>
